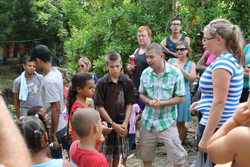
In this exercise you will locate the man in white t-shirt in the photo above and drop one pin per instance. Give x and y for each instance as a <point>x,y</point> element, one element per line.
<point>51,96</point>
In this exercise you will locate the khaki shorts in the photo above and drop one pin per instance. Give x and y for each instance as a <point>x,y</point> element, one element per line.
<point>148,141</point>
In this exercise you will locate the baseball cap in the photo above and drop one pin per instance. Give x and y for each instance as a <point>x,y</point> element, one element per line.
<point>40,51</point>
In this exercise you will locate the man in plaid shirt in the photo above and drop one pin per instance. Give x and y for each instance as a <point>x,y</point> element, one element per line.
<point>161,88</point>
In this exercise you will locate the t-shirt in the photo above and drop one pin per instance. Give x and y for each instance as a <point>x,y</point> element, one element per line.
<point>135,110</point>
<point>86,158</point>
<point>247,61</point>
<point>52,91</point>
<point>51,163</point>
<point>228,62</point>
<point>114,103</point>
<point>171,46</point>
<point>34,92</point>
<point>74,106</point>
<point>210,58</point>
<point>141,64</point>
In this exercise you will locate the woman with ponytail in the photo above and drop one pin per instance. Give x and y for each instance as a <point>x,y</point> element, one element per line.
<point>222,82</point>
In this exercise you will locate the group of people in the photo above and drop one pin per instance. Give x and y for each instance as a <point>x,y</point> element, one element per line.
<point>100,115</point>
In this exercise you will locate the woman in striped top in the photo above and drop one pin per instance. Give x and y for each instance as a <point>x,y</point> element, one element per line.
<point>222,81</point>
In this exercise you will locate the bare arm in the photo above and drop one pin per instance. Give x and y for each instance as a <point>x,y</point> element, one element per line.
<point>187,39</point>
<point>55,120</point>
<point>201,64</point>
<point>219,76</point>
<point>17,105</point>
<point>190,76</point>
<point>13,149</point>
<point>129,66</point>
<point>166,50</point>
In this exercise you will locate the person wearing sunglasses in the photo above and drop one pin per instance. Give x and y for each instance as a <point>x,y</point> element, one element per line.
<point>84,65</point>
<point>188,70</point>
<point>169,43</point>
<point>222,82</point>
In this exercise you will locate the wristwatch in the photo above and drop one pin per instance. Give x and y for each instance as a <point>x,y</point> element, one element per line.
<point>110,123</point>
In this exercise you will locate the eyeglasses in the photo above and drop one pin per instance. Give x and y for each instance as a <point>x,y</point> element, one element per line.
<point>80,66</point>
<point>180,49</point>
<point>207,39</point>
<point>176,24</point>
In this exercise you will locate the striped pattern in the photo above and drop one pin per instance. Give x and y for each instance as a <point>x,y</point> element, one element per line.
<point>228,62</point>
<point>167,85</point>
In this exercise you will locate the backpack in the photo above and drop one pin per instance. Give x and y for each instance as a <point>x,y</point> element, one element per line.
<point>106,82</point>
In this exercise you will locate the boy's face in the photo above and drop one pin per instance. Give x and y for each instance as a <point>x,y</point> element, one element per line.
<point>114,68</point>
<point>89,89</point>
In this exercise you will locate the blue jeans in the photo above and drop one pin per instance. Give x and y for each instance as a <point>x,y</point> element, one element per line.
<point>131,138</point>
<point>57,153</point>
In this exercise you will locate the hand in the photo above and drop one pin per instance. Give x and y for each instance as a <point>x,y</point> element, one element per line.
<point>193,106</point>
<point>99,142</point>
<point>68,140</point>
<point>242,115</point>
<point>121,130</point>
<point>105,129</point>
<point>203,145</point>
<point>155,103</point>
<point>55,142</point>
<point>129,67</point>
<point>165,49</point>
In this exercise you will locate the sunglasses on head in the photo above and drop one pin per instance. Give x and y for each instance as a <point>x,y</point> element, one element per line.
<point>180,49</point>
<point>80,66</point>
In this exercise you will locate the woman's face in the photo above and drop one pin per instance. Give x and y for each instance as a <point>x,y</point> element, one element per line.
<point>83,67</point>
<point>209,41</point>
<point>181,51</point>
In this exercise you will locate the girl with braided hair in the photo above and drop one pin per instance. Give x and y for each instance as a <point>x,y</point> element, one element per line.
<point>35,132</point>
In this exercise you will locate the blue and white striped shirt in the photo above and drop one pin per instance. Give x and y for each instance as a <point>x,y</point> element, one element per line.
<point>228,62</point>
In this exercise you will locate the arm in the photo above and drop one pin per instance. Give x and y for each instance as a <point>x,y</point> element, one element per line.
<point>219,76</point>
<point>129,66</point>
<point>166,50</point>
<point>54,122</point>
<point>201,64</point>
<point>13,149</point>
<point>190,76</point>
<point>127,115</point>
<point>17,104</point>
<point>118,128</point>
<point>187,39</point>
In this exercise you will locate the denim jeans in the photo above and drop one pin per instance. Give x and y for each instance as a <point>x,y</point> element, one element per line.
<point>57,153</point>
<point>131,138</point>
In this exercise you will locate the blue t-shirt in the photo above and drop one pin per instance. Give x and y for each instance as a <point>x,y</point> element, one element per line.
<point>228,62</point>
<point>247,61</point>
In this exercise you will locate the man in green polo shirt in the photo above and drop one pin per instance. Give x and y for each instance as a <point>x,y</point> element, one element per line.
<point>161,87</point>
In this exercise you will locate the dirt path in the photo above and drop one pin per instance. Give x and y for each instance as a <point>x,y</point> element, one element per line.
<point>160,155</point>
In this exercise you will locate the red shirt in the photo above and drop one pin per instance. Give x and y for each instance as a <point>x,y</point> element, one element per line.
<point>74,106</point>
<point>86,158</point>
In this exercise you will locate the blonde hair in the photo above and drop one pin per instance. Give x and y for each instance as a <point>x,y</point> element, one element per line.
<point>233,36</point>
<point>145,28</point>
<point>186,45</point>
<point>86,61</point>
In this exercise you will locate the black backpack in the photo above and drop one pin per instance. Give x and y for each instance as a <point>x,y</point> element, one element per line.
<point>106,83</point>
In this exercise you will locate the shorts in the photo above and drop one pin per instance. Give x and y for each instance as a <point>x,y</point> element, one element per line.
<point>113,145</point>
<point>148,141</point>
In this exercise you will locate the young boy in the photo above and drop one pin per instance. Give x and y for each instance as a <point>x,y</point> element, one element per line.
<point>84,152</point>
<point>113,105</point>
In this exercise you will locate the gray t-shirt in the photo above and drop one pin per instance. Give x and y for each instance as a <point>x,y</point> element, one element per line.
<point>52,91</point>
<point>34,91</point>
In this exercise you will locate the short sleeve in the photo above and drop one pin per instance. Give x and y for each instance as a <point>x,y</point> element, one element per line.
<point>224,63</point>
<point>99,97</point>
<point>16,86</point>
<point>130,99</point>
<point>51,92</point>
<point>141,87</point>
<point>137,108</point>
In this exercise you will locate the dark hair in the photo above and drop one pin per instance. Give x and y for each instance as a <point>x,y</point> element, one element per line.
<point>177,18</point>
<point>63,72</point>
<point>83,121</point>
<point>112,56</point>
<point>25,61</point>
<point>32,129</point>
<point>42,52</point>
<point>34,110</point>
<point>78,80</point>
<point>157,47</point>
